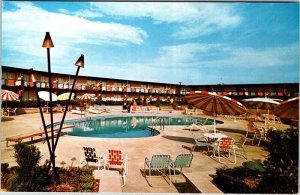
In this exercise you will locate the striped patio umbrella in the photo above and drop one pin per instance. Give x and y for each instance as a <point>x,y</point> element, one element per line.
<point>214,103</point>
<point>65,96</point>
<point>263,103</point>
<point>44,95</point>
<point>7,95</point>
<point>87,96</point>
<point>288,109</point>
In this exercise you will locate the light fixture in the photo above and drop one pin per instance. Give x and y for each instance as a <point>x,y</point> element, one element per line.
<point>80,61</point>
<point>47,41</point>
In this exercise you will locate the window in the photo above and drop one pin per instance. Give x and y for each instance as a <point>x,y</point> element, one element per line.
<point>44,79</point>
<point>118,85</point>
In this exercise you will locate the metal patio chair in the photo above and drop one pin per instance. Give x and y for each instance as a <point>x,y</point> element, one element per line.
<point>90,156</point>
<point>181,161</point>
<point>117,160</point>
<point>159,163</point>
<point>224,148</point>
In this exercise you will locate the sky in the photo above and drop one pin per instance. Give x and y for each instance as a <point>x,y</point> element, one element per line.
<point>193,43</point>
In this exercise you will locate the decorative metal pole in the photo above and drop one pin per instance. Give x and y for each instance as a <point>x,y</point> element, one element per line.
<point>33,79</point>
<point>48,44</point>
<point>79,63</point>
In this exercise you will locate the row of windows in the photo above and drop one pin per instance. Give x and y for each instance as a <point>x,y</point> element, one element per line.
<point>108,88</point>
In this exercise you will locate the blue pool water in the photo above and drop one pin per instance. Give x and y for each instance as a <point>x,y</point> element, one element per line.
<point>126,126</point>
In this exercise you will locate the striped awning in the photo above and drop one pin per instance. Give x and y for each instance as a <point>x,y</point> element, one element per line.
<point>288,109</point>
<point>214,103</point>
<point>7,95</point>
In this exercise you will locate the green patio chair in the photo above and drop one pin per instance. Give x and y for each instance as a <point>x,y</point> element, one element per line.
<point>202,142</point>
<point>181,161</point>
<point>158,163</point>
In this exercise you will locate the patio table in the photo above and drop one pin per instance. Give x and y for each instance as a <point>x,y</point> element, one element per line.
<point>214,136</point>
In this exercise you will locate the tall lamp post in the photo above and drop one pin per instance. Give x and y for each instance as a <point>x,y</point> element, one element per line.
<point>49,44</point>
<point>79,63</point>
<point>33,79</point>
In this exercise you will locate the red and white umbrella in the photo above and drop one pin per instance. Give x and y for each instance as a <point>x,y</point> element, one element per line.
<point>263,103</point>
<point>87,96</point>
<point>7,95</point>
<point>288,109</point>
<point>214,103</point>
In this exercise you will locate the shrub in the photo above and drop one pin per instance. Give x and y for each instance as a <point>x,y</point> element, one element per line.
<point>81,179</point>
<point>27,156</point>
<point>281,174</point>
<point>28,176</point>
<point>61,188</point>
<point>70,176</point>
<point>86,180</point>
<point>236,180</point>
<point>5,175</point>
<point>282,163</point>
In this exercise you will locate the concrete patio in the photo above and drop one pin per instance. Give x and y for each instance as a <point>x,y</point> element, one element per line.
<point>173,140</point>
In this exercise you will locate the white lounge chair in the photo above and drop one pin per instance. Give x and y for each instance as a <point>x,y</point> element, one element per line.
<point>94,111</point>
<point>81,112</point>
<point>197,126</point>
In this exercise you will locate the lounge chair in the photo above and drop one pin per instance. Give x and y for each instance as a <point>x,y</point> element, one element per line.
<point>103,108</point>
<point>201,142</point>
<point>239,144</point>
<point>197,126</point>
<point>12,111</point>
<point>94,111</point>
<point>259,132</point>
<point>81,112</point>
<point>116,159</point>
<point>272,119</point>
<point>90,156</point>
<point>158,163</point>
<point>181,161</point>
<point>223,148</point>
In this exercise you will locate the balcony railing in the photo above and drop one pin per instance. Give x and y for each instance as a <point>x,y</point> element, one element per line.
<point>81,86</point>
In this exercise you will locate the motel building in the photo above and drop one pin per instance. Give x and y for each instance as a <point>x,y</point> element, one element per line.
<point>18,80</point>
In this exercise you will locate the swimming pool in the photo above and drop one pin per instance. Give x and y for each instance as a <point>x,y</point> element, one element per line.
<point>126,126</point>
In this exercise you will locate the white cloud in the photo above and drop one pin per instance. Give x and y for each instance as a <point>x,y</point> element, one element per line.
<point>24,29</point>
<point>85,13</point>
<point>196,19</point>
<point>268,57</point>
<point>178,55</point>
<point>195,55</point>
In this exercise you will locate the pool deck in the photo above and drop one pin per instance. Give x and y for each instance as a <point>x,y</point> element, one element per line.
<point>173,140</point>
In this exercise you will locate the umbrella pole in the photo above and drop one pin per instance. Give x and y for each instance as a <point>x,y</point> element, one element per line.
<point>215,130</point>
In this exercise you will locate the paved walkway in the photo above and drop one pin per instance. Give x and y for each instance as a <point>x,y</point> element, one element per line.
<point>173,140</point>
